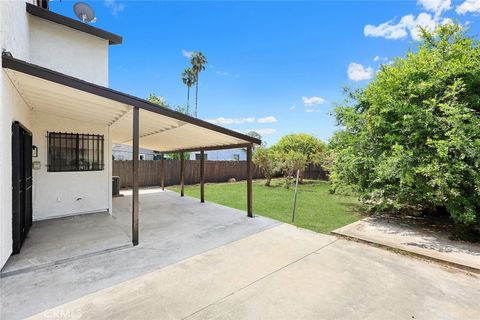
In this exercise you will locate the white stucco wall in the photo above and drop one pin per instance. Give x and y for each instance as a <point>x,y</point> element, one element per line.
<point>68,51</point>
<point>14,37</point>
<point>58,194</point>
<point>71,52</point>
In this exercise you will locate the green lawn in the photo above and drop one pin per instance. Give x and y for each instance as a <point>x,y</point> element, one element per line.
<point>317,209</point>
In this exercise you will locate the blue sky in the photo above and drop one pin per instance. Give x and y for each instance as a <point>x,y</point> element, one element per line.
<point>274,67</point>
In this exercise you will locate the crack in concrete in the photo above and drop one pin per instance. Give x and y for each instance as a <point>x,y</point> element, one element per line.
<point>260,279</point>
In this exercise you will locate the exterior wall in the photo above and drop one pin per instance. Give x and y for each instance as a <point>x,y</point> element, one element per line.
<point>68,51</point>
<point>71,52</point>
<point>58,194</point>
<point>14,37</point>
<point>221,155</point>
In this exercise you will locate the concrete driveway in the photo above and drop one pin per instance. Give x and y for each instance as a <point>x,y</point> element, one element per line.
<point>287,273</point>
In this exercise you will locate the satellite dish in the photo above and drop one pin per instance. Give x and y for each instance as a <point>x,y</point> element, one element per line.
<point>84,12</point>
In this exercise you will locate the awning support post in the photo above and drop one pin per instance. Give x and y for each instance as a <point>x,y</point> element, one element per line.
<point>135,176</point>
<point>249,182</point>
<point>182,174</point>
<point>162,171</point>
<point>202,176</point>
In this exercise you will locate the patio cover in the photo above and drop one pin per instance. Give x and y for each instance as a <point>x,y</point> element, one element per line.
<point>132,121</point>
<point>160,128</point>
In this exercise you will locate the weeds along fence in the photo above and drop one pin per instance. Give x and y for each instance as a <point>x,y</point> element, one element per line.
<point>215,171</point>
<point>149,172</point>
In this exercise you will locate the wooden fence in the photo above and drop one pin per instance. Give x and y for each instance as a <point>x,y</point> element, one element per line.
<point>315,173</point>
<point>215,171</point>
<point>149,172</point>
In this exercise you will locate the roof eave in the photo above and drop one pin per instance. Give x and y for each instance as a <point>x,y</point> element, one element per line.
<point>9,62</point>
<point>71,23</point>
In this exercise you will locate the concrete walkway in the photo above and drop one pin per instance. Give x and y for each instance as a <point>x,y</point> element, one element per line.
<point>415,236</point>
<point>287,273</point>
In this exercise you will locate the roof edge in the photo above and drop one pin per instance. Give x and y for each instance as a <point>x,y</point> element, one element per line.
<point>71,23</point>
<point>9,62</point>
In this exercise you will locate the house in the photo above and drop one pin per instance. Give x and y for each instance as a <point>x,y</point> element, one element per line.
<point>59,120</point>
<point>124,152</point>
<point>222,155</point>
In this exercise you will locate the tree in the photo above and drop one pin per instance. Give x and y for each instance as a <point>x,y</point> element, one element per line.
<point>289,162</point>
<point>188,78</point>
<point>256,135</point>
<point>265,159</point>
<point>198,61</point>
<point>159,100</point>
<point>304,144</point>
<point>411,139</point>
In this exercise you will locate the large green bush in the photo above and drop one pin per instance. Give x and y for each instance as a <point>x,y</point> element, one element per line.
<point>410,141</point>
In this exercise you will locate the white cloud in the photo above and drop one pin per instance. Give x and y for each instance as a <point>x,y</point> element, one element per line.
<point>263,131</point>
<point>358,72</point>
<point>312,101</point>
<point>386,30</point>
<point>269,119</point>
<point>186,53</point>
<point>293,107</point>
<point>114,6</point>
<point>378,58</point>
<point>472,6</point>
<point>436,6</point>
<point>228,121</point>
<point>222,73</point>
<point>309,110</point>
<point>408,24</point>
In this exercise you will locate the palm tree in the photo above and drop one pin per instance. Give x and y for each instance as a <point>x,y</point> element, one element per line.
<point>198,61</point>
<point>188,78</point>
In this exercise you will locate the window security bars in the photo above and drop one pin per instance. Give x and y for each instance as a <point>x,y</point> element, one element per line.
<point>75,152</point>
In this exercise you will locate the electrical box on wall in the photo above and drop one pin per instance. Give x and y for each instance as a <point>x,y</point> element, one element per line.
<point>36,165</point>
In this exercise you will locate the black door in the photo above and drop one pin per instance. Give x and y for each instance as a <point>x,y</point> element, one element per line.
<point>21,184</point>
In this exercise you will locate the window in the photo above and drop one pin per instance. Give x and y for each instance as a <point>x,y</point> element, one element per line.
<point>75,152</point>
<point>236,157</point>
<point>141,156</point>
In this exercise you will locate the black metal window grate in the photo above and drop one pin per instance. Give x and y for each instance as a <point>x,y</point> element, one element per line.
<point>75,152</point>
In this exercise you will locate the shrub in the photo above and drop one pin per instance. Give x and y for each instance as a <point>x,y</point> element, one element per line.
<point>411,138</point>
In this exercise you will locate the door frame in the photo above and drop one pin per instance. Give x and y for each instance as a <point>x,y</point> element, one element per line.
<point>21,184</point>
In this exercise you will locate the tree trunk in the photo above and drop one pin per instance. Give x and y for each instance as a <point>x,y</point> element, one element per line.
<point>188,100</point>
<point>267,183</point>
<point>196,97</point>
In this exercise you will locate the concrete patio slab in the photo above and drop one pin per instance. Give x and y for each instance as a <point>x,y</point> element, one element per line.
<point>287,273</point>
<point>60,240</point>
<point>171,229</point>
<point>419,238</point>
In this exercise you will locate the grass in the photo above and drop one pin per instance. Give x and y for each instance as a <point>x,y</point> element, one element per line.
<point>317,209</point>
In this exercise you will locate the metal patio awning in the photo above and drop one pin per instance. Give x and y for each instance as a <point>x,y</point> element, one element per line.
<point>131,120</point>
<point>160,129</point>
